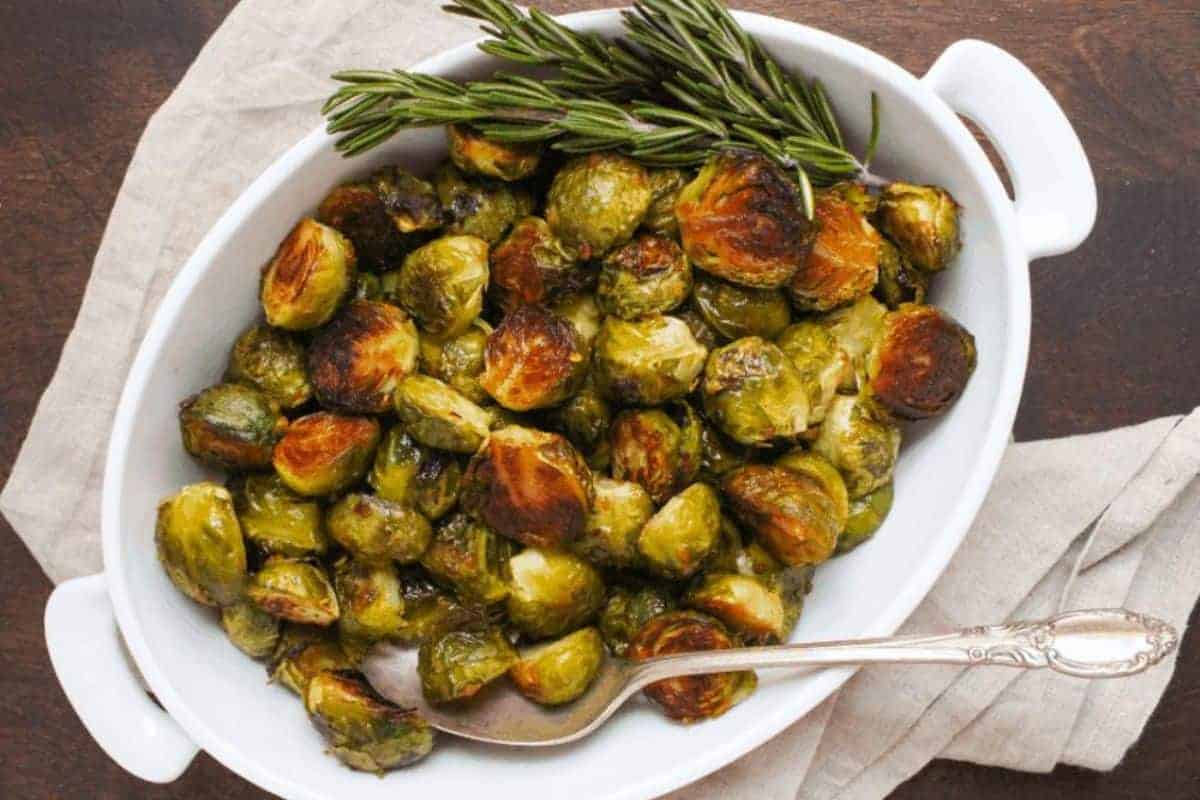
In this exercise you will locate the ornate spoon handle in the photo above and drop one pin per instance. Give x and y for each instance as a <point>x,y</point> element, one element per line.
<point>1101,643</point>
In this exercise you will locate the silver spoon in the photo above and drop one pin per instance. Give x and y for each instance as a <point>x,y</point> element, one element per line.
<point>1104,643</point>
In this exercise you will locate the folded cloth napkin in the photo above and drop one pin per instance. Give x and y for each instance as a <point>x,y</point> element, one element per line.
<point>1107,519</point>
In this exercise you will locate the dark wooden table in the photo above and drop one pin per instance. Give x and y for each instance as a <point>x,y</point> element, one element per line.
<point>1116,325</point>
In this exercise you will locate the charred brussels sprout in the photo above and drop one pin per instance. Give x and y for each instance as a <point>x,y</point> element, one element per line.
<point>480,207</point>
<point>855,328</point>
<point>475,154</point>
<point>437,416</point>
<point>649,275</point>
<point>325,453</point>
<point>665,186</point>
<point>554,673</point>
<point>358,359</point>
<point>458,361</point>
<point>921,363</point>
<point>470,559</point>
<point>823,472</point>
<point>675,542</point>
<point>410,201</point>
<point>844,262</point>
<point>200,544</point>
<point>442,284</point>
<point>861,441</point>
<point>532,266</point>
<point>458,664</point>
<point>303,653</point>
<point>737,311</point>
<point>824,367</point>
<point>790,513</point>
<point>407,473</point>
<point>276,519</point>
<point>754,393</point>
<point>231,426</point>
<point>430,611</point>
<point>298,591</point>
<point>551,592</point>
<point>377,530</point>
<point>534,359</point>
<point>309,275</point>
<point>899,281</point>
<point>530,486</point>
<point>742,219</point>
<point>647,362</point>
<point>271,361</point>
<point>627,610</point>
<point>694,697</point>
<point>370,599</point>
<point>252,630</point>
<point>618,513</point>
<point>867,514</point>
<point>922,221</point>
<point>657,448</point>
<point>364,731</point>
<point>597,201</point>
<point>750,605</point>
<point>357,211</point>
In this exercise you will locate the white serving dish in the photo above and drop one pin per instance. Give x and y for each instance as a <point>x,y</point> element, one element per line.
<point>216,699</point>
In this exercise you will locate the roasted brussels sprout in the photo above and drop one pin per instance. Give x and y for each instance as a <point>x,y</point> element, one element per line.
<point>377,530</point>
<point>307,278</point>
<point>276,519</point>
<point>365,731</point>
<point>844,262</point>
<point>554,673</point>
<point>718,455</point>
<point>922,221</point>
<point>855,328</point>
<point>737,311</point>
<point>899,281</point>
<point>648,275</point>
<point>534,359</point>
<point>597,201</point>
<point>366,287</point>
<point>437,416</point>
<point>532,266</point>
<point>824,367</point>
<point>823,472</point>
<point>860,440</point>
<point>867,514</point>
<point>658,448</point>
<point>665,186</point>
<point>231,426</point>
<point>618,513</point>
<point>410,201</point>
<point>585,418</point>
<point>754,393</point>
<point>694,697</point>
<point>750,605</point>
<point>458,361</point>
<point>647,362</point>
<point>430,611</point>
<point>551,592</point>
<point>303,652</point>
<point>358,212</point>
<point>475,154</point>
<point>790,513</point>
<point>470,559</point>
<point>252,630</point>
<point>704,333</point>
<point>742,219</point>
<point>480,208</point>
<point>676,540</point>
<point>325,453</point>
<point>580,310</point>
<point>358,359</point>
<point>371,600</point>
<point>273,362</point>
<point>200,545</point>
<point>627,610</point>
<point>407,473</point>
<point>442,284</point>
<point>295,590</point>
<point>857,195</point>
<point>921,363</point>
<point>529,485</point>
<point>458,664</point>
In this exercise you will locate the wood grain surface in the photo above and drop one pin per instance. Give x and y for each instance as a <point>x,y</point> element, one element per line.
<point>1116,325</point>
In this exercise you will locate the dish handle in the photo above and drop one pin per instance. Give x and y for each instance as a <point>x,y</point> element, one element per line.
<point>105,688</point>
<point>1052,180</point>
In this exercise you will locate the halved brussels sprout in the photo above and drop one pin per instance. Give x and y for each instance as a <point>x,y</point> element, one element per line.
<point>273,362</point>
<point>677,539</point>
<point>867,514</point>
<point>597,201</point>
<point>442,284</point>
<point>862,441</point>
<point>647,362</point>
<point>554,673</point>
<point>628,609</point>
<point>469,558</point>
<point>585,418</point>
<point>532,266</point>
<point>742,219</point>
<point>580,310</point>
<point>665,186</point>
<point>200,545</point>
<point>375,530</point>
<point>429,611</point>
<point>407,473</point>
<point>475,154</point>
<point>358,359</point>
<point>437,416</point>
<point>790,513</point>
<point>325,453</point>
<point>718,455</point>
<point>365,731</point>
<point>659,448</point>
<point>704,333</point>
<point>231,426</point>
<point>610,536</point>
<point>855,328</point>
<point>922,221</point>
<point>754,393</point>
<point>736,311</point>
<point>307,278</point>
<point>899,281</point>
<point>823,472</point>
<point>480,207</point>
<point>298,591</point>
<point>458,361</point>
<point>751,606</point>
<point>694,697</point>
<point>551,592</point>
<point>844,262</point>
<point>458,664</point>
<point>921,363</point>
<point>252,630</point>
<point>276,519</point>
<point>371,600</point>
<point>529,485</point>
<point>824,367</point>
<point>303,653</point>
<point>534,359</point>
<point>410,201</point>
<point>357,211</point>
<point>648,275</point>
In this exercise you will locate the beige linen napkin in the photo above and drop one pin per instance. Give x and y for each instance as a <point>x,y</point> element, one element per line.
<point>254,91</point>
